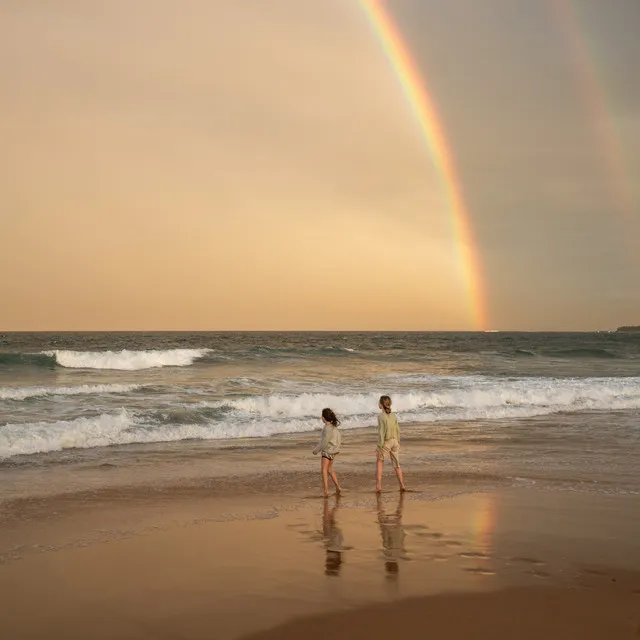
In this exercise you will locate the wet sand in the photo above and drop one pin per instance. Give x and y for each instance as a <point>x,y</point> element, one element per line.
<point>531,613</point>
<point>247,555</point>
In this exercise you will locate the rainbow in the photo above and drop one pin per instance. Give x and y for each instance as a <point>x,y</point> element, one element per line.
<point>591,89</point>
<point>424,109</point>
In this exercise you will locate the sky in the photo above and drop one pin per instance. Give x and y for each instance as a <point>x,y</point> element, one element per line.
<point>254,165</point>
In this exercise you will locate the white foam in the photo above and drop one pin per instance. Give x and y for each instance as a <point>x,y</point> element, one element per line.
<point>127,360</point>
<point>39,437</point>
<point>124,427</point>
<point>474,398</point>
<point>22,393</point>
<point>262,416</point>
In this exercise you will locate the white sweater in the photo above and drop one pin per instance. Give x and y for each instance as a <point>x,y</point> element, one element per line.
<point>329,441</point>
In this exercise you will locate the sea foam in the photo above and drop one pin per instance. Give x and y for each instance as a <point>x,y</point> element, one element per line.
<point>24,393</point>
<point>127,360</point>
<point>473,398</point>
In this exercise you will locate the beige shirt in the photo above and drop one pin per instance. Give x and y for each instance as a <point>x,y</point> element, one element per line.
<point>330,441</point>
<point>388,428</point>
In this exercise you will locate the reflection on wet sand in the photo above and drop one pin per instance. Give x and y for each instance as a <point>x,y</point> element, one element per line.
<point>332,538</point>
<point>393,536</point>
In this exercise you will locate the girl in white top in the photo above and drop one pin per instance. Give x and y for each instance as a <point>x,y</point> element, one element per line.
<point>329,447</point>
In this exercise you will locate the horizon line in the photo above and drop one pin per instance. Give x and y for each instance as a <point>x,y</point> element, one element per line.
<point>606,330</point>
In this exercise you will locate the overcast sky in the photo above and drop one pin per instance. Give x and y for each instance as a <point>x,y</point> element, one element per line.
<point>208,164</point>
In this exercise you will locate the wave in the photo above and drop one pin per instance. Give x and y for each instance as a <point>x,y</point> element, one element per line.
<point>126,360</point>
<point>583,353</point>
<point>152,358</point>
<point>39,437</point>
<point>262,351</point>
<point>27,359</point>
<point>121,428</point>
<point>474,398</point>
<point>24,393</point>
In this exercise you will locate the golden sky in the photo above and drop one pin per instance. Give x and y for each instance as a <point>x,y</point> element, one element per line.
<point>254,165</point>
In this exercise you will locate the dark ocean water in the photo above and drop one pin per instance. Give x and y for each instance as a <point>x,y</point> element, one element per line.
<point>74,391</point>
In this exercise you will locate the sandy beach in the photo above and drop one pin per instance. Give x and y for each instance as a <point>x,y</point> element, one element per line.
<point>176,496</point>
<point>237,234</point>
<point>262,555</point>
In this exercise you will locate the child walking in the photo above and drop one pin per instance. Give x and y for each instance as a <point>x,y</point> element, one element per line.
<point>329,447</point>
<point>388,442</point>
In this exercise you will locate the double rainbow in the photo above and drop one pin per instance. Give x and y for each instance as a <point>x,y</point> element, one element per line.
<point>424,109</point>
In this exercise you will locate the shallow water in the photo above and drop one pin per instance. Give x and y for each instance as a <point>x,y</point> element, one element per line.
<point>539,407</point>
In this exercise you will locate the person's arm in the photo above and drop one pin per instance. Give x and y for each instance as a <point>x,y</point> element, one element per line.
<point>382,431</point>
<point>323,441</point>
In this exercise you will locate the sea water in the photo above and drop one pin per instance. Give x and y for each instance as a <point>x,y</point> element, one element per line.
<point>572,398</point>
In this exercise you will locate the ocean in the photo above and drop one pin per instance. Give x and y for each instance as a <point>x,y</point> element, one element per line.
<point>562,409</point>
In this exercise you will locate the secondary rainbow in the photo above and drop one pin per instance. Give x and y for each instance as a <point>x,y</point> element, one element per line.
<point>604,128</point>
<point>423,105</point>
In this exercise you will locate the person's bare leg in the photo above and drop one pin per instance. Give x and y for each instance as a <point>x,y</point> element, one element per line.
<point>333,477</point>
<point>325,479</point>
<point>400,480</point>
<point>379,465</point>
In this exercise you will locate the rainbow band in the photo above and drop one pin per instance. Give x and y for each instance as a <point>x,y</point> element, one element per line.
<point>595,99</point>
<point>425,112</point>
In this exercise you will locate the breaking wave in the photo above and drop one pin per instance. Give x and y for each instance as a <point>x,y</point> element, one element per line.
<point>126,360</point>
<point>473,398</point>
<point>24,393</point>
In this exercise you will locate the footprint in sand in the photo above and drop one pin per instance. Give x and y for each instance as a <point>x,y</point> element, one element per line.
<point>539,574</point>
<point>474,555</point>
<point>529,561</point>
<point>439,558</point>
<point>480,571</point>
<point>452,543</point>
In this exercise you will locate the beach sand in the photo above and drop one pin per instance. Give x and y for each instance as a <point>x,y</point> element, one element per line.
<point>263,555</point>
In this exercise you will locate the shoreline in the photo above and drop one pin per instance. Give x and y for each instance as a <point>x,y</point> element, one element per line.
<point>493,454</point>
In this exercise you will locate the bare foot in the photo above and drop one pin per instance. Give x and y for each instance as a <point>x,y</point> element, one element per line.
<point>378,489</point>
<point>403,488</point>
<point>326,494</point>
<point>338,491</point>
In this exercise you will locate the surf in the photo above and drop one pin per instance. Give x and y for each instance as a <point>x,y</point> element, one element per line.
<point>126,360</point>
<point>25,393</point>
<point>457,400</point>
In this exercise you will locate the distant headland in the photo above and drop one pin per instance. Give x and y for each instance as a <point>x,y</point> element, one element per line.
<point>628,329</point>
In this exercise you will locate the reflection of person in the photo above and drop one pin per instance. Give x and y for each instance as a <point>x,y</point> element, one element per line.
<point>333,539</point>
<point>393,535</point>
<point>388,442</point>
<point>329,447</point>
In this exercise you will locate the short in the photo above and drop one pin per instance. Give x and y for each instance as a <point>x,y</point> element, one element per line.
<point>329,456</point>
<point>392,449</point>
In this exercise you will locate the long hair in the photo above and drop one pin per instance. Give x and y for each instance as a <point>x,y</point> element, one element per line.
<point>330,416</point>
<point>385,401</point>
